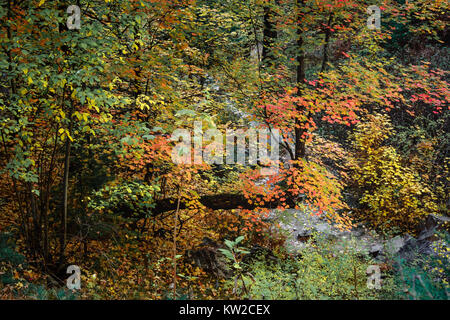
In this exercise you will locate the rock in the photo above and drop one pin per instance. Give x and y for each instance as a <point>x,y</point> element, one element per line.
<point>300,226</point>
<point>428,235</point>
<point>303,238</point>
<point>376,249</point>
<point>307,232</point>
<point>432,224</point>
<point>436,221</point>
<point>414,247</point>
<point>209,258</point>
<point>394,245</point>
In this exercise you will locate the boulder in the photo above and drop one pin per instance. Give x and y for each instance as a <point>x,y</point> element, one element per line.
<point>376,249</point>
<point>209,258</point>
<point>432,224</point>
<point>414,247</point>
<point>300,226</point>
<point>394,245</point>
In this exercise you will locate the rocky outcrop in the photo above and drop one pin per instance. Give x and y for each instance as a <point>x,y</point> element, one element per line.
<point>423,244</point>
<point>300,226</point>
<point>432,224</point>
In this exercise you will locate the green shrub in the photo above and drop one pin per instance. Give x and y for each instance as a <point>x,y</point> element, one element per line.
<point>322,272</point>
<point>10,260</point>
<point>12,264</point>
<point>427,276</point>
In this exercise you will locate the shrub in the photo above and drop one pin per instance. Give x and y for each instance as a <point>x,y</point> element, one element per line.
<point>391,194</point>
<point>323,271</point>
<point>10,260</point>
<point>427,276</point>
<point>13,265</point>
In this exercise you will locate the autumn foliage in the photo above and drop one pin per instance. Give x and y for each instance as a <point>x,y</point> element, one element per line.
<point>87,175</point>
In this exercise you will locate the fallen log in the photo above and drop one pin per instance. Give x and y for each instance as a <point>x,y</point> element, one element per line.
<point>225,201</point>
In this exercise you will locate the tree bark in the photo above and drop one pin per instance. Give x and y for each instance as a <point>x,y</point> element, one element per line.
<point>63,238</point>
<point>327,41</point>
<point>299,141</point>
<point>269,36</point>
<point>226,201</point>
<point>65,188</point>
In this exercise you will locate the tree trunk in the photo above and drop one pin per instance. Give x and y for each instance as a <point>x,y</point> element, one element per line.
<point>299,141</point>
<point>269,36</point>
<point>225,201</point>
<point>327,41</point>
<point>63,238</point>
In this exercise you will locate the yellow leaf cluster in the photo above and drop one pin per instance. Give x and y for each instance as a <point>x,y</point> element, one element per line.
<point>391,194</point>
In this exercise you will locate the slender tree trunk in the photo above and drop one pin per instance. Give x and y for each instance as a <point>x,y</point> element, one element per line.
<point>327,41</point>
<point>65,181</point>
<point>299,141</point>
<point>269,36</point>
<point>47,200</point>
<point>36,233</point>
<point>65,187</point>
<point>63,238</point>
<point>175,240</point>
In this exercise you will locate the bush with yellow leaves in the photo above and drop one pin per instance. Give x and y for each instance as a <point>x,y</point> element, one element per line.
<point>392,197</point>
